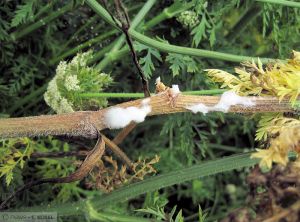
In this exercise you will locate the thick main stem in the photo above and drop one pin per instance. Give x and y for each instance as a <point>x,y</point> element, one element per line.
<point>86,124</point>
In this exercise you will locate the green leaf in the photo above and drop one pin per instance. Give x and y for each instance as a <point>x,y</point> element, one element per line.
<point>199,31</point>
<point>212,37</point>
<point>146,62</point>
<point>180,62</point>
<point>8,178</point>
<point>179,217</point>
<point>24,13</point>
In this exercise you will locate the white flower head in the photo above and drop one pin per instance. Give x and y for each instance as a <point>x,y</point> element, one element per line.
<point>72,83</point>
<point>61,69</point>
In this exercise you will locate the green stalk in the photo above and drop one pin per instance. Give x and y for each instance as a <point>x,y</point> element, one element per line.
<point>87,24</point>
<point>82,46</point>
<point>26,99</point>
<point>169,12</point>
<point>101,53</point>
<point>243,22</point>
<point>151,184</point>
<point>18,34</point>
<point>282,2</point>
<point>103,216</point>
<point>44,9</point>
<point>137,19</point>
<point>173,48</point>
<point>193,51</point>
<point>141,95</point>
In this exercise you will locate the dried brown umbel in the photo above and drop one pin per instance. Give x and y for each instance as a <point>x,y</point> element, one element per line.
<point>273,196</point>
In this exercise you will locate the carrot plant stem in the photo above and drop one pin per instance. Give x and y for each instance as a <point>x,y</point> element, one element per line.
<point>83,46</point>
<point>173,48</point>
<point>18,34</point>
<point>87,123</point>
<point>137,19</point>
<point>169,12</point>
<point>141,95</point>
<point>282,2</point>
<point>208,168</point>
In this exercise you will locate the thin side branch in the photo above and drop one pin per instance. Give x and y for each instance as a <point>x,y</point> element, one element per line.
<point>123,17</point>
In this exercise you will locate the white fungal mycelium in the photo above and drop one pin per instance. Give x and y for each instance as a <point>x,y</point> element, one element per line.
<point>227,100</point>
<point>117,117</point>
<point>157,81</point>
<point>175,90</point>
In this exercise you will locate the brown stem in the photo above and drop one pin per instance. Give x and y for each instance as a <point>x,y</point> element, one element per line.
<point>124,133</point>
<point>86,124</point>
<point>125,26</point>
<point>118,151</point>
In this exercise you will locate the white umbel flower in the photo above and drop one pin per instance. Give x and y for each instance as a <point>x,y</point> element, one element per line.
<point>72,83</point>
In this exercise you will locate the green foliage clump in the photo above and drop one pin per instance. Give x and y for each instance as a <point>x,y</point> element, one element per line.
<point>24,13</point>
<point>73,78</point>
<point>13,153</point>
<point>146,61</point>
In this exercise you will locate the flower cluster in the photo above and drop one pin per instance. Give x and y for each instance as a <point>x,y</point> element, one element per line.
<point>73,78</point>
<point>288,140</point>
<point>280,79</point>
<point>189,19</point>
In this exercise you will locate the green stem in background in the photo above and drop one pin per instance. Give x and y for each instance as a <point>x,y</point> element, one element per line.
<point>137,19</point>
<point>243,22</point>
<point>164,47</point>
<point>99,54</point>
<point>84,26</point>
<point>173,48</point>
<point>104,216</point>
<point>141,95</point>
<point>178,176</point>
<point>226,148</point>
<point>154,183</point>
<point>16,35</point>
<point>26,99</point>
<point>169,12</point>
<point>45,9</point>
<point>89,42</point>
<point>282,2</point>
<point>82,46</point>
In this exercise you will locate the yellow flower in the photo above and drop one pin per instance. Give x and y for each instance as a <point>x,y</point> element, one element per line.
<point>268,156</point>
<point>280,79</point>
<point>288,140</point>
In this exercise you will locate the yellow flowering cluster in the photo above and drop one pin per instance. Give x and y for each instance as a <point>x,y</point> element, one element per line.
<point>288,140</point>
<point>280,79</point>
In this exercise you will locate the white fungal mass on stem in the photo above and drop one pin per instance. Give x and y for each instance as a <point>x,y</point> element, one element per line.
<point>227,100</point>
<point>117,117</point>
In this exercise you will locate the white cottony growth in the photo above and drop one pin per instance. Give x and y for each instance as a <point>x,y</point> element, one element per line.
<point>157,80</point>
<point>227,100</point>
<point>199,108</point>
<point>117,117</point>
<point>175,90</point>
<point>230,98</point>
